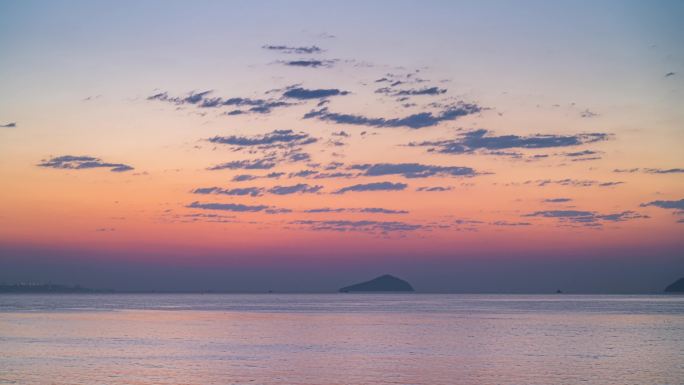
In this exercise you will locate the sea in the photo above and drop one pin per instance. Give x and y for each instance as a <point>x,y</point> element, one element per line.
<point>143,339</point>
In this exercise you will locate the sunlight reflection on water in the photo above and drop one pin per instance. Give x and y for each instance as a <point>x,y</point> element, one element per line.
<point>341,339</point>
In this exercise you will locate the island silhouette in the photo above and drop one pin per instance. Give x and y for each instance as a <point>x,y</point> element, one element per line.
<point>676,287</point>
<point>383,283</point>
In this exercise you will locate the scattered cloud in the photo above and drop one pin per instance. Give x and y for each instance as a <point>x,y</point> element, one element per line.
<point>311,63</point>
<point>378,210</point>
<point>302,174</point>
<point>274,139</point>
<point>432,91</point>
<point>434,188</point>
<point>199,217</point>
<point>372,210</point>
<point>277,211</point>
<point>236,207</point>
<point>413,170</point>
<point>251,191</point>
<point>584,153</point>
<point>626,170</point>
<point>202,100</point>
<point>301,188</point>
<point>243,178</point>
<point>276,147</point>
<point>361,226</point>
<point>588,218</point>
<point>248,177</point>
<point>289,49</point>
<point>255,164</point>
<point>676,205</point>
<point>419,120</point>
<point>377,186</point>
<point>651,170</point>
<point>664,171</point>
<point>303,93</point>
<point>588,114</point>
<point>667,75</point>
<point>332,175</point>
<point>82,162</point>
<point>509,224</point>
<point>481,140</point>
<point>9,125</point>
<point>557,200</point>
<point>572,182</point>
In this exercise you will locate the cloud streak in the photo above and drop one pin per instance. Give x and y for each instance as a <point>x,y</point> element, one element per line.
<point>588,218</point>
<point>277,138</point>
<point>377,186</point>
<point>296,50</point>
<point>415,121</point>
<point>310,63</point>
<point>236,207</point>
<point>71,162</point>
<point>251,191</point>
<point>676,205</point>
<point>305,94</point>
<point>413,170</point>
<point>203,100</point>
<point>365,226</point>
<point>482,140</point>
<point>651,170</point>
<point>255,164</point>
<point>371,210</point>
<point>301,188</point>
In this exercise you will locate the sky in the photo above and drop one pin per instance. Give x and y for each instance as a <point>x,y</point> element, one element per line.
<point>466,146</point>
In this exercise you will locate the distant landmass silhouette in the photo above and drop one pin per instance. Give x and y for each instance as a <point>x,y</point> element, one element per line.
<point>676,287</point>
<point>43,288</point>
<point>384,283</point>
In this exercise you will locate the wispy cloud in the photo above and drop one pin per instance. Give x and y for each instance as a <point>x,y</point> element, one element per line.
<point>509,224</point>
<point>9,125</point>
<point>650,170</point>
<point>590,218</point>
<point>203,100</point>
<point>377,186</point>
<point>82,162</point>
<point>290,49</point>
<point>311,63</point>
<point>557,200</point>
<point>588,114</point>
<point>255,164</point>
<point>276,147</point>
<point>434,188</point>
<point>430,91</point>
<point>362,226</point>
<point>572,182</point>
<point>251,191</point>
<point>371,210</point>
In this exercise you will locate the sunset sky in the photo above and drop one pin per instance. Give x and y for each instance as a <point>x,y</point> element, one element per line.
<point>301,146</point>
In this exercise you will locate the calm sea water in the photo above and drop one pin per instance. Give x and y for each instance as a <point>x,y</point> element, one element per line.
<point>341,339</point>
